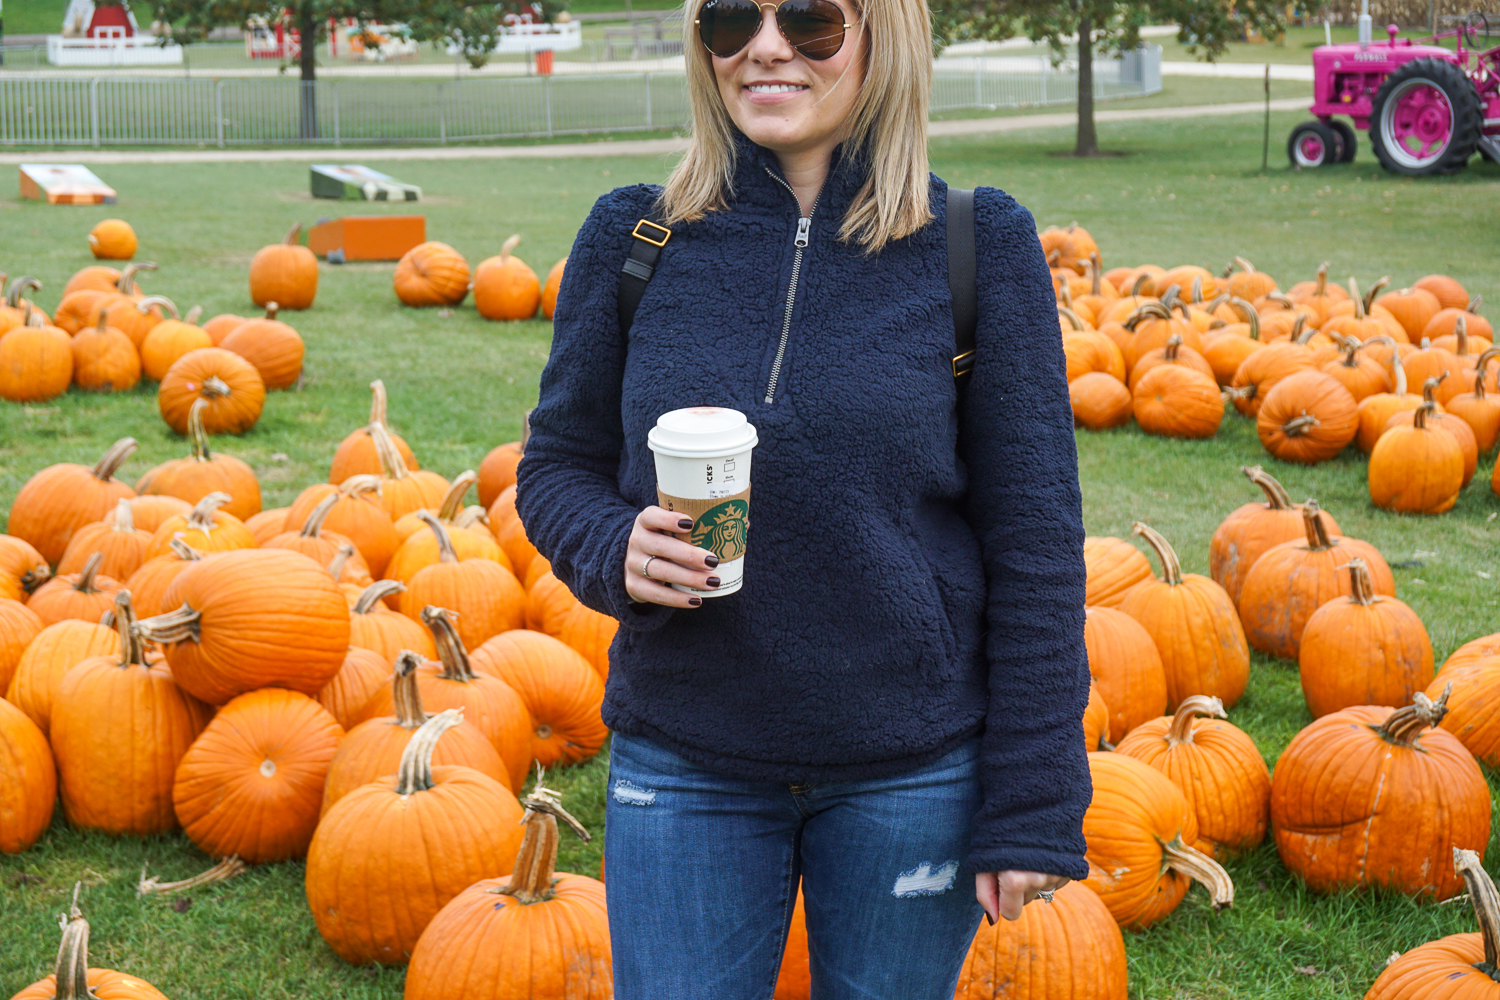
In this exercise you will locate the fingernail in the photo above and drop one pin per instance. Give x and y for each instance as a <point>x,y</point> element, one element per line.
<point>685,523</point>
<point>712,581</point>
<point>695,601</point>
<point>710,561</point>
<point>989,918</point>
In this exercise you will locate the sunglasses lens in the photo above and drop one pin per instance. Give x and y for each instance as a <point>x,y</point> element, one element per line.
<point>725,26</point>
<point>813,27</point>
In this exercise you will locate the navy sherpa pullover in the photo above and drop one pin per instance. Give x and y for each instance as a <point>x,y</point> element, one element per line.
<point>897,599</point>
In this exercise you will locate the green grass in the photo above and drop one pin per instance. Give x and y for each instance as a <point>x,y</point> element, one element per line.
<point>1188,191</point>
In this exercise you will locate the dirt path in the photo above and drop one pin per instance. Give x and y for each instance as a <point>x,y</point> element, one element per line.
<point>608,147</point>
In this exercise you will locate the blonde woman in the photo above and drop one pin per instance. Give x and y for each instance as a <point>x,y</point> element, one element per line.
<point>887,714</point>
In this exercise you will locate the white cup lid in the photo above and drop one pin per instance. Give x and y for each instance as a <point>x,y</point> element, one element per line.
<point>699,431</point>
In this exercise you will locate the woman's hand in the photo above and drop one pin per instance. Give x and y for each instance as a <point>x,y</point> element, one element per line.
<point>1002,894</point>
<point>675,561</point>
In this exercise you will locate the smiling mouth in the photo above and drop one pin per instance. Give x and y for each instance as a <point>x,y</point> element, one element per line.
<point>775,88</point>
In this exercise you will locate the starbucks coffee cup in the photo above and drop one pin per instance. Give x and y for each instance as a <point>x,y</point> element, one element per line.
<point>703,472</point>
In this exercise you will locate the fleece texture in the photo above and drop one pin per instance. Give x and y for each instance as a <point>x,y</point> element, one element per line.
<point>906,586</point>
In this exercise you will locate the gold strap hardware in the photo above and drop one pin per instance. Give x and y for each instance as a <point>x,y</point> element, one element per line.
<point>667,233</point>
<point>961,357</point>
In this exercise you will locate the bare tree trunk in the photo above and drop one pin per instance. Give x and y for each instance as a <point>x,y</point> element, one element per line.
<point>1088,141</point>
<point>307,28</point>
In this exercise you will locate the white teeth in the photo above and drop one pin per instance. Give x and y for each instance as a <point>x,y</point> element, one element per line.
<point>774,88</point>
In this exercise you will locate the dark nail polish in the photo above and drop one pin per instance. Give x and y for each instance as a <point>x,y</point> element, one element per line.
<point>710,561</point>
<point>685,523</point>
<point>990,919</point>
<point>695,601</point>
<point>713,581</point>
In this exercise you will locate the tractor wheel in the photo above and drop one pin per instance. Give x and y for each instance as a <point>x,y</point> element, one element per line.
<point>1425,119</point>
<point>1312,144</point>
<point>1344,132</point>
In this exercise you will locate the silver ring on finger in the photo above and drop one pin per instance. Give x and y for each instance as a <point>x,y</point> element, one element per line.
<point>646,568</point>
<point>1045,895</point>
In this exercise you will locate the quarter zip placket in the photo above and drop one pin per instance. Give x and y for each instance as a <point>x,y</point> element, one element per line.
<point>804,226</point>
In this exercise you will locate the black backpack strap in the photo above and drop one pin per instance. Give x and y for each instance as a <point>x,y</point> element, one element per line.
<point>961,272</point>
<point>650,236</point>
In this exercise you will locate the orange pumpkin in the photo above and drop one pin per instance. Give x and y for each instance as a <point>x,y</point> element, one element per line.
<point>55,650</point>
<point>363,673</point>
<point>74,980</point>
<point>1140,831</point>
<point>389,855</point>
<point>171,338</point>
<point>510,532</point>
<point>120,544</point>
<point>1474,718</point>
<point>356,454</point>
<point>1308,417</point>
<point>1352,801</point>
<point>112,239</point>
<point>222,326</point>
<point>120,311</point>
<point>358,516</point>
<point>1126,665</point>
<point>505,287</point>
<point>1100,401</point>
<point>72,313</point>
<point>36,363</point>
<point>252,783</point>
<point>322,546</point>
<point>1456,967</point>
<point>561,690</point>
<point>1246,534</point>
<point>486,596</point>
<point>22,569</point>
<point>1480,406</point>
<point>205,528</point>
<point>29,791</point>
<point>497,471</point>
<point>1294,579</point>
<point>376,627</point>
<point>151,510</point>
<point>1178,401</point>
<point>94,278</point>
<point>1151,326</point>
<point>1095,720</point>
<point>148,585</point>
<point>19,625</point>
<point>231,385</point>
<point>1113,566</point>
<point>104,359</point>
<point>1413,308</point>
<point>1172,353</point>
<point>1193,623</point>
<point>402,490</point>
<point>1376,410</point>
<point>60,499</point>
<point>84,595</point>
<point>1361,374</point>
<point>1041,954</point>
<point>550,288</point>
<point>431,274</point>
<point>1227,347</point>
<point>274,348</point>
<point>1068,248</point>
<point>553,610</point>
<point>285,273</point>
<point>267,524</point>
<point>201,473</point>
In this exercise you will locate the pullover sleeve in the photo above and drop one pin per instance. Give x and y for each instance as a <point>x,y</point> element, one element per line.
<point>567,491</point>
<point>1025,507</point>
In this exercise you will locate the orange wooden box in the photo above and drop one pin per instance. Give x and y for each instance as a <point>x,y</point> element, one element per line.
<point>367,237</point>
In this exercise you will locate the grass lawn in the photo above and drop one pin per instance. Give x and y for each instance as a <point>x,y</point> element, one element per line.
<point>1186,192</point>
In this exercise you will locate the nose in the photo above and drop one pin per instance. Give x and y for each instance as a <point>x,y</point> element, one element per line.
<point>768,45</point>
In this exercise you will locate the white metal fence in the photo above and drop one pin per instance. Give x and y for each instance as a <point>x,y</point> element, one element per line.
<point>44,110</point>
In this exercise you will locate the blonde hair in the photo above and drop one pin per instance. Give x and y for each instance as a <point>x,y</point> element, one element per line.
<point>886,128</point>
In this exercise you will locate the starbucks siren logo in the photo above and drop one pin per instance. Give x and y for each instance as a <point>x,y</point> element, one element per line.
<point>721,529</point>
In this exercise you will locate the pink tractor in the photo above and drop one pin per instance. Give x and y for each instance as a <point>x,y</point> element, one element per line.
<point>1427,108</point>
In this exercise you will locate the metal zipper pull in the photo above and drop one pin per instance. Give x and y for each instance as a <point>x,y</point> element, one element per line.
<point>803,225</point>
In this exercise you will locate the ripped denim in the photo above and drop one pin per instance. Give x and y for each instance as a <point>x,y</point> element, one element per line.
<point>702,872</point>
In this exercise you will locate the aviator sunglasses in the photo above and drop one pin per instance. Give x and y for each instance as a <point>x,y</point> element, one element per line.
<point>815,28</point>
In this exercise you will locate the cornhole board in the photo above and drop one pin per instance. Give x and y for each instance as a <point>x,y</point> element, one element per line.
<point>64,184</point>
<point>366,237</point>
<point>352,182</point>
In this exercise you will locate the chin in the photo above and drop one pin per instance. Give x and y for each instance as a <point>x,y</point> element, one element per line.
<point>773,133</point>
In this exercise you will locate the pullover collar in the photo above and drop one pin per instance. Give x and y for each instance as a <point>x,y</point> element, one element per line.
<point>757,190</point>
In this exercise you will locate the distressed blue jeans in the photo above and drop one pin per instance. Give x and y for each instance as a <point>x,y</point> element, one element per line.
<point>702,873</point>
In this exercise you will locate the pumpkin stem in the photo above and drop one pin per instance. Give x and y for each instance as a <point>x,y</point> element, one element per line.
<point>1461,336</point>
<point>1065,293</point>
<point>272,308</point>
<point>450,647</point>
<point>73,954</point>
<point>340,560</point>
<point>313,526</point>
<point>1486,901</point>
<point>184,551</point>
<point>1140,282</point>
<point>1312,524</point>
<point>1380,283</point>
<point>357,486</point>
<point>201,452</point>
<point>1400,371</point>
<point>1298,426</point>
<point>1196,293</point>
<point>391,462</point>
<point>1147,310</point>
<point>1362,588</point>
<point>470,516</point>
<point>415,773</point>
<point>1282,300</point>
<point>1474,304</point>
<point>182,625</point>
<point>1404,725</point>
<point>113,458</point>
<point>85,583</point>
<point>374,594</point>
<point>214,387</point>
<point>1202,869</point>
<point>1169,352</point>
<point>1245,309</point>
<point>377,402</point>
<point>18,287</point>
<point>132,643</point>
<point>35,577</point>
<point>101,327</point>
<point>225,870</point>
<point>1171,567</point>
<point>1425,412</point>
<point>1322,288</point>
<point>511,242</point>
<point>1244,265</point>
<point>1485,358</point>
<point>1181,730</point>
<point>1301,332</point>
<point>531,878</point>
<point>124,519</point>
<point>446,552</point>
<point>1430,387</point>
<point>404,691</point>
<point>193,315</point>
<point>1091,271</point>
<point>149,302</point>
<point>126,284</point>
<point>454,501</point>
<point>1074,320</point>
<point>1359,303</point>
<point>292,234</point>
<point>201,516</point>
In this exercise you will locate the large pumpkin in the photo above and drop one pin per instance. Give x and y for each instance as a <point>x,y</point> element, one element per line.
<point>1248,531</point>
<point>372,749</point>
<point>1125,664</point>
<point>22,569</point>
<point>233,388</point>
<point>486,596</point>
<point>1474,708</point>
<point>84,595</point>
<point>1178,401</point>
<point>1294,579</point>
<point>1356,371</point>
<point>203,472</point>
<point>253,618</point>
<point>151,510</point>
<point>273,347</point>
<point>74,980</point>
<point>389,855</point>
<point>1140,831</point>
<point>1379,797</point>
<point>1416,468</point>
<point>552,609</point>
<point>62,498</point>
<point>402,490</point>
<point>1259,373</point>
<point>505,522</point>
<point>1216,767</point>
<point>1112,566</point>
<point>498,471</point>
<point>29,790</point>
<point>252,783</point>
<point>505,287</point>
<point>1480,406</point>
<point>1363,649</point>
<point>1436,419</point>
<point>1456,967</point>
<point>19,625</point>
<point>1194,625</point>
<point>358,515</point>
<point>285,273</point>
<point>1071,948</point>
<point>119,728</point>
<point>374,626</point>
<point>1100,401</point>
<point>104,359</point>
<point>171,338</point>
<point>356,455</point>
<point>36,363</point>
<point>1307,418</point>
<point>121,546</point>
<point>562,691</point>
<point>56,650</point>
<point>537,933</point>
<point>431,274</point>
<point>1413,308</point>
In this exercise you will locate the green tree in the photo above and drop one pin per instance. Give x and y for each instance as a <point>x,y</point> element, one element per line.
<point>1101,26</point>
<point>473,27</point>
